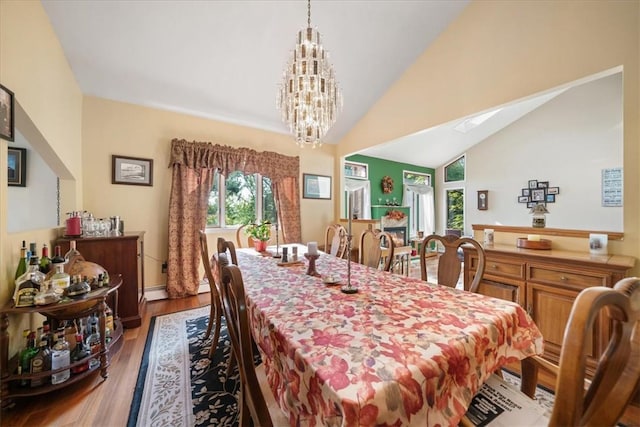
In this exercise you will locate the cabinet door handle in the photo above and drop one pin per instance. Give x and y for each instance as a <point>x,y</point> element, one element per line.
<point>564,278</point>
<point>494,266</point>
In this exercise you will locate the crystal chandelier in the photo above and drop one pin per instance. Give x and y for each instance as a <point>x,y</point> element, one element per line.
<point>309,97</point>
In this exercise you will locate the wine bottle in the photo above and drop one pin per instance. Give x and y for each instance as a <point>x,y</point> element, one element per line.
<point>45,261</point>
<point>26,355</point>
<point>22,264</point>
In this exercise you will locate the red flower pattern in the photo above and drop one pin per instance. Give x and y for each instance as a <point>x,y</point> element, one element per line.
<point>398,352</point>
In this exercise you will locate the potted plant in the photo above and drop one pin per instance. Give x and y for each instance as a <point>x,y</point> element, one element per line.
<point>260,233</point>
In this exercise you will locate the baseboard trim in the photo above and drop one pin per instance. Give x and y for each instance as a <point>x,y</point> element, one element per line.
<point>159,292</point>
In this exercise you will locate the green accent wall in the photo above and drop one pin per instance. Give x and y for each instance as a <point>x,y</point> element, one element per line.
<point>378,168</point>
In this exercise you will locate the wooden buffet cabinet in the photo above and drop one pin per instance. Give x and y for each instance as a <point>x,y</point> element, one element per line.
<point>546,283</point>
<point>122,255</point>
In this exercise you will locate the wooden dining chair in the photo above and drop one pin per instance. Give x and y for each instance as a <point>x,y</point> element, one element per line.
<point>376,246</point>
<point>227,247</point>
<point>603,400</point>
<point>335,240</point>
<point>257,402</point>
<point>450,261</point>
<point>215,313</point>
<point>244,241</point>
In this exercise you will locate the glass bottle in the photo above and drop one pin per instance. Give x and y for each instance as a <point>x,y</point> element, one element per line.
<point>47,294</point>
<point>46,334</point>
<point>27,354</point>
<point>22,264</point>
<point>80,352</point>
<point>108,324</point>
<point>72,252</point>
<point>45,261</point>
<point>41,361</point>
<point>60,280</point>
<point>93,342</point>
<point>60,357</point>
<point>28,285</point>
<point>33,250</point>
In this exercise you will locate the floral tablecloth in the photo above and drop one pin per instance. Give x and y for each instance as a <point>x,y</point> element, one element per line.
<point>400,351</point>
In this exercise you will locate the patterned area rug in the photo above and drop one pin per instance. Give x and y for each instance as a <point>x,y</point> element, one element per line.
<point>177,383</point>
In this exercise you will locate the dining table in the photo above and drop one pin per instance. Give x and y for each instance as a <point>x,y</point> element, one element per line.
<point>397,351</point>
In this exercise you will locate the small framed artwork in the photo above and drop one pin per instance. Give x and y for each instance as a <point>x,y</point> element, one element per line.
<point>131,170</point>
<point>316,186</point>
<point>533,183</point>
<point>7,113</point>
<point>483,200</point>
<point>538,195</point>
<point>551,198</point>
<point>531,204</point>
<point>543,184</point>
<point>523,199</point>
<point>553,190</point>
<point>526,192</point>
<point>17,166</point>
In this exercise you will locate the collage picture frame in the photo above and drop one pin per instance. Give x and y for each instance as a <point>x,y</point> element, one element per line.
<point>538,192</point>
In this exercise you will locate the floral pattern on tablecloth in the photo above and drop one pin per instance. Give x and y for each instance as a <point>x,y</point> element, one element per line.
<point>399,352</point>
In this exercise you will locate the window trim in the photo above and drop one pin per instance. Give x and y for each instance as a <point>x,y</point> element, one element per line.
<point>444,170</point>
<point>222,199</point>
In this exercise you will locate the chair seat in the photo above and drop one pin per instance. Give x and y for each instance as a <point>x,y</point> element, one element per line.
<point>277,415</point>
<point>498,403</point>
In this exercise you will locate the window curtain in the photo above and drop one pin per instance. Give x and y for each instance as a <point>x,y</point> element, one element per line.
<point>194,165</point>
<point>424,193</point>
<point>363,187</point>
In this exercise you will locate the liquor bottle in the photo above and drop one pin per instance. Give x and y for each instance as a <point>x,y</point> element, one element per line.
<point>46,334</point>
<point>60,358</point>
<point>26,354</point>
<point>70,331</point>
<point>41,361</point>
<point>22,264</point>
<point>47,294</point>
<point>60,280</point>
<point>23,349</point>
<point>93,342</point>
<point>80,352</point>
<point>33,251</point>
<point>71,253</point>
<point>108,324</point>
<point>28,285</point>
<point>45,261</point>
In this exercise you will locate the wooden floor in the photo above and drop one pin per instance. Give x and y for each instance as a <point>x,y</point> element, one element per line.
<point>97,402</point>
<point>94,401</point>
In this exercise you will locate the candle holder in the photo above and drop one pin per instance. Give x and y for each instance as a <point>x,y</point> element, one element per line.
<point>348,289</point>
<point>277,254</point>
<point>311,269</point>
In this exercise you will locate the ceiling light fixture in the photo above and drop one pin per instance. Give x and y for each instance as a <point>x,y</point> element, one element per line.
<point>309,97</point>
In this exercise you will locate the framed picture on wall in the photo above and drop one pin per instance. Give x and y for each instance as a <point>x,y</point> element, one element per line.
<point>7,113</point>
<point>131,170</point>
<point>316,186</point>
<point>17,166</point>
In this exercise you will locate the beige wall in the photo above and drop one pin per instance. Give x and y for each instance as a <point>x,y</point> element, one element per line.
<point>117,128</point>
<point>49,110</point>
<point>497,52</point>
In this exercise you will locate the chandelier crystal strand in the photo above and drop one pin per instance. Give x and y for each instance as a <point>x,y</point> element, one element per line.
<point>309,97</point>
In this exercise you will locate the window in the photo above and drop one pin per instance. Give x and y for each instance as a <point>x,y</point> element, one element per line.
<point>455,208</point>
<point>241,204</point>
<point>454,171</point>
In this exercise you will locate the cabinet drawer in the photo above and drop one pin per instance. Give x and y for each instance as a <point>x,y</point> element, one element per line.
<point>564,277</point>
<point>501,268</point>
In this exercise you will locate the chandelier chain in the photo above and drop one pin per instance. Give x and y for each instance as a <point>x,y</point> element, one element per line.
<point>309,13</point>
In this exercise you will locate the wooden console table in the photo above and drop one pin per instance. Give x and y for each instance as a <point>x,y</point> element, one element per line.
<point>93,302</point>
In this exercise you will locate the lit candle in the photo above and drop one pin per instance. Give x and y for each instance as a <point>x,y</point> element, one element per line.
<point>312,248</point>
<point>533,237</point>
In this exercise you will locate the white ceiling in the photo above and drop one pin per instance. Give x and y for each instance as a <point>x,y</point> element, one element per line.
<point>224,59</point>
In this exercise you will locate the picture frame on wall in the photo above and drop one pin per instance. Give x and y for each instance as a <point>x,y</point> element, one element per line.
<point>523,199</point>
<point>131,170</point>
<point>7,114</point>
<point>533,183</point>
<point>483,200</point>
<point>17,166</point>
<point>316,186</point>
<point>526,192</point>
<point>538,195</point>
